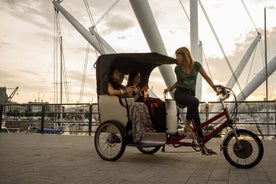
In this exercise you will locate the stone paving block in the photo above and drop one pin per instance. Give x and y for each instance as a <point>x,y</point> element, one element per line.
<point>44,159</point>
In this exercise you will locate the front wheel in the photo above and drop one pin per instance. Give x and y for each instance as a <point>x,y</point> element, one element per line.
<point>109,140</point>
<point>149,150</point>
<point>244,151</point>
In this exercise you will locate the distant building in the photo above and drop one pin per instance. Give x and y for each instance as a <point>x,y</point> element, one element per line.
<point>37,106</point>
<point>3,95</point>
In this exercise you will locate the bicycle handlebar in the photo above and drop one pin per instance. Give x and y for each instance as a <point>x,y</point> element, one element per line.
<point>224,91</point>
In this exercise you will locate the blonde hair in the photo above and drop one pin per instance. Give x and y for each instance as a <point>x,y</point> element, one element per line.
<point>188,61</point>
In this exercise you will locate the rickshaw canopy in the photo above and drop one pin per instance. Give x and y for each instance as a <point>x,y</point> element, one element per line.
<point>127,63</point>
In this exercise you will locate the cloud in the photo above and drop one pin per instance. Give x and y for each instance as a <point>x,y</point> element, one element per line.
<point>118,22</point>
<point>252,68</point>
<point>38,13</point>
<point>4,44</point>
<point>7,76</point>
<point>46,36</point>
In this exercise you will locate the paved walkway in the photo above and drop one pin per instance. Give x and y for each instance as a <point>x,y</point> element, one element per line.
<point>44,159</point>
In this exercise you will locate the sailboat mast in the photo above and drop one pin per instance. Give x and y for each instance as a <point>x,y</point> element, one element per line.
<point>82,30</point>
<point>61,54</point>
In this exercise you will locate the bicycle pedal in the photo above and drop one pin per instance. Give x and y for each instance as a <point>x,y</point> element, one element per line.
<point>194,142</point>
<point>176,145</point>
<point>196,146</point>
<point>163,149</point>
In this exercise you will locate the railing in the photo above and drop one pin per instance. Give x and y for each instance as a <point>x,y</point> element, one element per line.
<point>257,116</point>
<point>83,118</point>
<point>70,118</point>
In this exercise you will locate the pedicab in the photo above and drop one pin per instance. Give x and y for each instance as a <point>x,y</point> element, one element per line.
<point>241,147</point>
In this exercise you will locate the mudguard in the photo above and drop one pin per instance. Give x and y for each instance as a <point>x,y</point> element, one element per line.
<point>229,133</point>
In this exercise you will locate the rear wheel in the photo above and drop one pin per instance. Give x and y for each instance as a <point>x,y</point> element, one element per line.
<point>149,150</point>
<point>244,152</point>
<point>109,140</point>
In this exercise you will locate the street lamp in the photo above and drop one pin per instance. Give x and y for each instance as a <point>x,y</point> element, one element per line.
<point>265,44</point>
<point>266,72</point>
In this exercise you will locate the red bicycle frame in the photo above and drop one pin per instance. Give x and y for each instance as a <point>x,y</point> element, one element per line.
<point>178,141</point>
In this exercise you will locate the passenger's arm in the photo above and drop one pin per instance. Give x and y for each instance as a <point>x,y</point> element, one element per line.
<point>140,92</point>
<point>113,91</point>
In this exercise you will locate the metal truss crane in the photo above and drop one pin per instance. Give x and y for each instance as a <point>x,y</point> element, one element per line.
<point>12,94</point>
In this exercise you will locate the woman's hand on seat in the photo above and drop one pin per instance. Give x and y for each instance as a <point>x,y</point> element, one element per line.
<point>166,90</point>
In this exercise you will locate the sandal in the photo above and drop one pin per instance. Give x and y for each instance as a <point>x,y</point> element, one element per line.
<point>151,130</point>
<point>207,151</point>
<point>174,137</point>
<point>188,130</point>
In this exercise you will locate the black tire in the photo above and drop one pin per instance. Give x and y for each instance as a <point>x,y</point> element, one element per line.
<point>149,150</point>
<point>109,140</point>
<point>246,153</point>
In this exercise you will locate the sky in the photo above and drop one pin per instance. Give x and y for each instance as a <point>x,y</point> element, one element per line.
<point>27,48</point>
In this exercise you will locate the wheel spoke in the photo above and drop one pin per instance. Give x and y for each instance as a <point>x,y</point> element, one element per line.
<point>245,152</point>
<point>109,141</point>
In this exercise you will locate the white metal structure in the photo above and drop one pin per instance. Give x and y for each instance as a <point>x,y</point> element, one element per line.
<point>152,35</point>
<point>243,62</point>
<point>196,46</point>
<point>82,30</point>
<point>148,25</point>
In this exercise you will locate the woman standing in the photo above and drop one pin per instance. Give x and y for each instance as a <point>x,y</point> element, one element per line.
<point>186,73</point>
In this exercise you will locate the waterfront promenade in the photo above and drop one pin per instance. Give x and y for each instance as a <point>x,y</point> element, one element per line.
<point>44,159</point>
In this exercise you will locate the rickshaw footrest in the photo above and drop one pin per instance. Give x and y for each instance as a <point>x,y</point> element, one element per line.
<point>154,139</point>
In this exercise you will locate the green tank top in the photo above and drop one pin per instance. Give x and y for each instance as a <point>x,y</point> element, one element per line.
<point>187,81</point>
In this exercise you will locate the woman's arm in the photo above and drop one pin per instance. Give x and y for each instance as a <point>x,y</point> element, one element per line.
<point>113,91</point>
<point>207,78</point>
<point>172,87</point>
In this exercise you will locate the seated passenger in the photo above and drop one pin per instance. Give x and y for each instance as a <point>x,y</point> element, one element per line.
<point>156,106</point>
<point>138,111</point>
<point>139,94</point>
<point>115,86</point>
